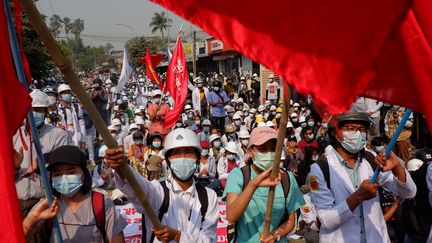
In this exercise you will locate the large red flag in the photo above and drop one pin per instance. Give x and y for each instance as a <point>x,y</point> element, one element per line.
<point>176,83</point>
<point>151,60</point>
<point>329,49</point>
<point>14,105</point>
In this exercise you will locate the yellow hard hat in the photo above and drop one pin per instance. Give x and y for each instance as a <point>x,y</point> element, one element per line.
<point>279,110</point>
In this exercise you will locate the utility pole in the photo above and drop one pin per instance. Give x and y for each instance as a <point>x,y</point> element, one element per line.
<point>194,54</point>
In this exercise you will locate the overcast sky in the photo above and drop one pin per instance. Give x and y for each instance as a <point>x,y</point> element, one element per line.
<point>102,18</point>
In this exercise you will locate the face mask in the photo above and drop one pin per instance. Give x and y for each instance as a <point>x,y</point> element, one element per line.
<point>304,124</point>
<point>230,115</point>
<point>295,108</point>
<point>278,116</point>
<point>156,100</point>
<point>294,119</point>
<point>156,144</point>
<point>310,137</point>
<point>324,125</point>
<point>237,123</point>
<point>67,185</point>
<point>67,98</point>
<point>379,149</point>
<point>311,124</point>
<point>273,113</point>
<point>204,152</point>
<point>353,142</point>
<point>183,168</point>
<point>117,128</point>
<point>245,142</point>
<point>206,129</point>
<point>217,144</point>
<point>271,80</point>
<point>39,118</point>
<point>263,160</point>
<point>179,125</point>
<point>216,88</point>
<point>197,122</point>
<point>231,156</point>
<point>138,142</point>
<point>315,157</point>
<point>251,115</point>
<point>190,115</point>
<point>245,114</point>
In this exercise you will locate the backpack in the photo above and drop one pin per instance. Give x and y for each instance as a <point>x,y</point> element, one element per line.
<point>324,166</point>
<point>202,197</point>
<point>98,208</point>
<point>246,172</point>
<point>417,211</point>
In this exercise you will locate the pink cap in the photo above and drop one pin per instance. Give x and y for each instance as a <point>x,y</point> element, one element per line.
<point>261,135</point>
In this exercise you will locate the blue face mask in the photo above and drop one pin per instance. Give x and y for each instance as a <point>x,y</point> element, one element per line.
<point>39,118</point>
<point>183,168</point>
<point>67,98</point>
<point>206,129</point>
<point>156,144</point>
<point>379,149</point>
<point>353,141</point>
<point>311,124</point>
<point>217,144</point>
<point>264,160</point>
<point>204,152</point>
<point>67,185</point>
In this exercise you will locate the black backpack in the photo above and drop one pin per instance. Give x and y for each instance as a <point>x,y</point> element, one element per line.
<point>202,197</point>
<point>417,211</point>
<point>246,172</point>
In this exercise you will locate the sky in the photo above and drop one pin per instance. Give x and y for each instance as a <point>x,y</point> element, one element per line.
<point>109,20</point>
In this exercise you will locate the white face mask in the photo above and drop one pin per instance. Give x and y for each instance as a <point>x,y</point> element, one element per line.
<point>353,142</point>
<point>231,156</point>
<point>245,142</point>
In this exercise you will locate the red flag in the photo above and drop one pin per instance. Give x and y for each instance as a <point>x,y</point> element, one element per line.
<point>11,117</point>
<point>150,72</point>
<point>176,83</point>
<point>329,49</point>
<point>155,59</point>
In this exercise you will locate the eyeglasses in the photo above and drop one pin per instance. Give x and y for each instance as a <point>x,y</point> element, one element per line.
<point>354,129</point>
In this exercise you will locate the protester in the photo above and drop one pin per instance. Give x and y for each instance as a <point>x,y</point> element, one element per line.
<point>217,99</point>
<point>307,139</point>
<point>228,162</point>
<point>347,204</point>
<point>182,221</point>
<point>157,112</point>
<point>246,203</point>
<point>206,171</point>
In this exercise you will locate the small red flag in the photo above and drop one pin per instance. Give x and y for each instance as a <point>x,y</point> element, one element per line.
<point>11,118</point>
<point>176,83</point>
<point>151,61</point>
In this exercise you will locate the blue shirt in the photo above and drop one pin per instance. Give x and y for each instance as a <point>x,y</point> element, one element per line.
<point>217,110</point>
<point>251,223</point>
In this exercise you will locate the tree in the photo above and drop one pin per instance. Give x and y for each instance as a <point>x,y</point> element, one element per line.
<point>55,25</point>
<point>136,48</point>
<point>77,28</point>
<point>108,47</point>
<point>160,22</point>
<point>67,26</point>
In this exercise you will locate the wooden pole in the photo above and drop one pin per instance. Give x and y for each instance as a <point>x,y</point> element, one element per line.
<point>61,61</point>
<point>278,153</point>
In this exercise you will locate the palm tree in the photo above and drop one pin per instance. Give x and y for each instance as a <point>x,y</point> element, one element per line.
<point>67,26</point>
<point>160,22</point>
<point>55,24</point>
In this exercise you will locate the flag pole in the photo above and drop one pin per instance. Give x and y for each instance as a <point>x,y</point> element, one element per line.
<point>61,61</point>
<point>279,146</point>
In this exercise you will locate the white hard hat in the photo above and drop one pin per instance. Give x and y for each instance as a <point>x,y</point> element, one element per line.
<point>141,107</point>
<point>213,137</point>
<point>179,138</point>
<point>240,100</point>
<point>63,87</point>
<point>111,128</point>
<point>267,102</point>
<point>261,124</point>
<point>229,109</point>
<point>137,111</point>
<point>293,114</point>
<point>133,126</point>
<point>233,101</point>
<point>115,108</point>
<point>231,147</point>
<point>296,105</point>
<point>39,98</point>
<point>206,122</point>
<point>124,98</point>
<point>187,107</point>
<point>289,125</point>
<point>414,164</point>
<point>115,122</point>
<point>261,108</point>
<point>119,102</point>
<point>236,116</point>
<point>272,108</point>
<point>269,124</point>
<point>255,75</point>
<point>271,76</point>
<point>139,120</point>
<point>108,81</point>
<point>157,92</point>
<point>244,133</point>
<point>252,110</point>
<point>302,119</point>
<point>102,150</point>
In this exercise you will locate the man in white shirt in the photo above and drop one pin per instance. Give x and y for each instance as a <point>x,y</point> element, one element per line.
<point>183,220</point>
<point>199,94</point>
<point>272,90</point>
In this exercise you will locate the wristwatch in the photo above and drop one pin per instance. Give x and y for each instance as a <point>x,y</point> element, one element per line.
<point>277,236</point>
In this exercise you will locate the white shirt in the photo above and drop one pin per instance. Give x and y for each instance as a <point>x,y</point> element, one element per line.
<point>196,99</point>
<point>373,106</point>
<point>272,89</point>
<point>182,204</point>
<point>222,166</point>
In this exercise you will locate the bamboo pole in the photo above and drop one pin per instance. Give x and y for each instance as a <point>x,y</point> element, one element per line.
<point>275,170</point>
<point>61,61</point>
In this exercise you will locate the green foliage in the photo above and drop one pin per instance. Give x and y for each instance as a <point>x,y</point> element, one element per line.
<point>136,48</point>
<point>160,22</point>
